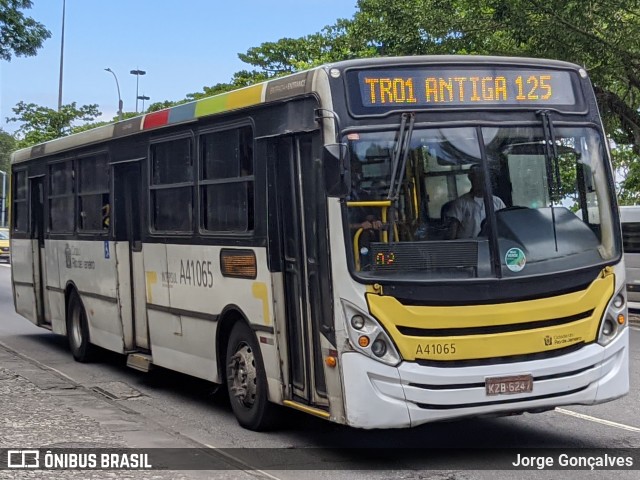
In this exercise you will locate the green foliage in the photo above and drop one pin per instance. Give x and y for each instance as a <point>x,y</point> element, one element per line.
<point>7,146</point>
<point>40,124</point>
<point>287,55</point>
<point>627,168</point>
<point>601,35</point>
<point>19,35</point>
<point>155,106</point>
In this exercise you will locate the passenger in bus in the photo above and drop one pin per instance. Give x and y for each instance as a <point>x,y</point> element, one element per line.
<point>467,212</point>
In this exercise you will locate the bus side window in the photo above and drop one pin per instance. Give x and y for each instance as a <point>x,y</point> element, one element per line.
<point>93,193</point>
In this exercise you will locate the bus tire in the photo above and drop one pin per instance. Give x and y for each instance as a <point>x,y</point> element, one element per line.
<point>78,329</point>
<point>247,380</point>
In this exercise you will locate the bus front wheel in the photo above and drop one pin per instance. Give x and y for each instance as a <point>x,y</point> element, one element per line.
<point>78,329</point>
<point>247,380</point>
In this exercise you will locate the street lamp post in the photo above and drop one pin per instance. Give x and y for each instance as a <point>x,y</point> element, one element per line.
<point>64,5</point>
<point>119,97</point>
<point>137,73</point>
<point>143,97</point>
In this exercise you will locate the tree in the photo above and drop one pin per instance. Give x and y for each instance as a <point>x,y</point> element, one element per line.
<point>7,146</point>
<point>40,124</point>
<point>627,168</point>
<point>601,35</point>
<point>288,55</point>
<point>19,35</point>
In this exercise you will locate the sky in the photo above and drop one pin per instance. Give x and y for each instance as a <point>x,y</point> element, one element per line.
<point>182,45</point>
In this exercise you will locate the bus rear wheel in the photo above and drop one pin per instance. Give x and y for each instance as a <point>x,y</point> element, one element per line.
<point>78,330</point>
<point>247,380</point>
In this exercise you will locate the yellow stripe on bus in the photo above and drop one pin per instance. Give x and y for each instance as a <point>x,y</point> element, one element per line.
<point>260,291</point>
<point>392,314</point>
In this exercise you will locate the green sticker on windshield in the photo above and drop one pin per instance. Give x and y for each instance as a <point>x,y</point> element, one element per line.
<point>515,259</point>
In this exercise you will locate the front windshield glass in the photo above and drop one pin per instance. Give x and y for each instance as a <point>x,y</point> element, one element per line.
<point>4,235</point>
<point>544,196</point>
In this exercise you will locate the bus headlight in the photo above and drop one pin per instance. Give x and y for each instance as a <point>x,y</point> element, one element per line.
<point>367,336</point>
<point>614,319</point>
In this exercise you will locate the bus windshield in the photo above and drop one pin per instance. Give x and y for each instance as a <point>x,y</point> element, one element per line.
<point>474,202</point>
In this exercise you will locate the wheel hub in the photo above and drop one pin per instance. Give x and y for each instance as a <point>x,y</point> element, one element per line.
<point>242,375</point>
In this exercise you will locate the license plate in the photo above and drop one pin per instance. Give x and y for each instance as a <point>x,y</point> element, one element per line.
<point>509,385</point>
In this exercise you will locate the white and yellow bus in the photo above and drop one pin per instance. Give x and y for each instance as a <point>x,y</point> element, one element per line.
<point>305,242</point>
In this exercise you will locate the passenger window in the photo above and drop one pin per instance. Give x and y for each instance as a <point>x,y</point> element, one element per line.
<point>94,207</point>
<point>20,205</point>
<point>227,181</point>
<point>172,186</point>
<point>61,197</point>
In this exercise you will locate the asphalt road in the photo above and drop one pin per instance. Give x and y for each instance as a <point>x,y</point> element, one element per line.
<point>194,409</point>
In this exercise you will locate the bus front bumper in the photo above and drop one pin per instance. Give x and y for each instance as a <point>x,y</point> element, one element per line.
<point>380,396</point>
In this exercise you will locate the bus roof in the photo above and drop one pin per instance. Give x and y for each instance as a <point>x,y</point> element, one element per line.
<point>276,89</point>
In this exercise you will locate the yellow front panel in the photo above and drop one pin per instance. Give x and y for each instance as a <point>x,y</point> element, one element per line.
<point>452,345</point>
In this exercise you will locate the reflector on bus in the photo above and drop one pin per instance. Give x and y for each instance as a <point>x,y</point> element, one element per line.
<point>238,263</point>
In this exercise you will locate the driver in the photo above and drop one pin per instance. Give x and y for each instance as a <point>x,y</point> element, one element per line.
<point>467,212</point>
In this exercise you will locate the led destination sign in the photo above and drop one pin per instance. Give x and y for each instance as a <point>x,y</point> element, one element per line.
<point>465,88</point>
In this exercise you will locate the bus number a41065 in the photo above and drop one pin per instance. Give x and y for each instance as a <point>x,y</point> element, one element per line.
<point>436,349</point>
<point>196,273</point>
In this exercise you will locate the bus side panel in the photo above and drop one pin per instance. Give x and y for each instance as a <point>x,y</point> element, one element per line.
<point>91,267</point>
<point>178,340</point>
<point>24,278</point>
<point>54,292</point>
<point>187,297</point>
<point>124,292</point>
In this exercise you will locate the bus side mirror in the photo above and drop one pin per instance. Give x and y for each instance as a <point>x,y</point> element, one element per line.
<point>335,176</point>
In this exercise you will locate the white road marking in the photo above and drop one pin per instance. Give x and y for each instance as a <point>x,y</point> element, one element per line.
<point>598,420</point>
<point>250,470</point>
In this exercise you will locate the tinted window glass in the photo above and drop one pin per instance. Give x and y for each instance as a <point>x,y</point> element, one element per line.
<point>226,207</point>
<point>94,207</point>
<point>171,208</point>
<point>171,162</point>
<point>94,174</point>
<point>172,205</point>
<point>61,199</point>
<point>19,219</point>
<point>227,181</point>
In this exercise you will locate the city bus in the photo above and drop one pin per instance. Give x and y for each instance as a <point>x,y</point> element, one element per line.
<point>321,241</point>
<point>630,218</point>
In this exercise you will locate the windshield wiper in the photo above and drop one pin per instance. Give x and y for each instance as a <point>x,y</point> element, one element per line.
<point>552,166</point>
<point>401,150</point>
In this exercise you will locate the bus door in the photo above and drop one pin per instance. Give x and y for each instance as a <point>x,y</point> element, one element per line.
<point>36,187</point>
<point>304,259</point>
<point>127,178</point>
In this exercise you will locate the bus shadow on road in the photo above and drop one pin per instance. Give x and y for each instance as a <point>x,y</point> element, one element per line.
<point>304,431</point>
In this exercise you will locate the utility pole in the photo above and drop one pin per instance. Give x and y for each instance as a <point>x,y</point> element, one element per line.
<point>64,5</point>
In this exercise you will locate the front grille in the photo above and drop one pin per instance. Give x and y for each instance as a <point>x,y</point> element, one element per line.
<point>492,329</point>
